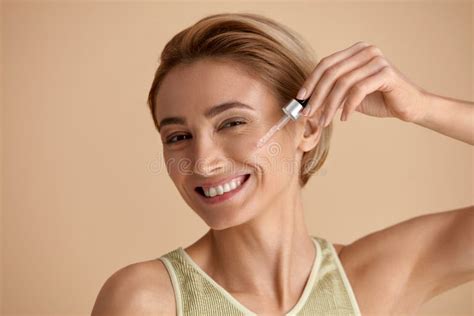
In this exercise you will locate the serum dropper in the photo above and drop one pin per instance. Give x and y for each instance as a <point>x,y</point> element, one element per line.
<point>291,111</point>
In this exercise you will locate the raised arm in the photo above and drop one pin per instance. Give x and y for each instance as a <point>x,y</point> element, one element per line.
<point>414,260</point>
<point>448,116</point>
<point>446,251</point>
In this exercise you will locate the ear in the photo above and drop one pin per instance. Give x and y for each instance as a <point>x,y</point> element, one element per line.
<point>311,131</point>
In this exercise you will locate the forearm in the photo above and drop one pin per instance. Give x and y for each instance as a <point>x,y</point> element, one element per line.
<point>450,117</point>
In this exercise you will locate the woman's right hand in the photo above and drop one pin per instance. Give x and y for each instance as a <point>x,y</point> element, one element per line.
<point>360,78</point>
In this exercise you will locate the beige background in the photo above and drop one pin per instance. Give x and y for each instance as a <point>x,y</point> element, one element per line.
<point>84,189</point>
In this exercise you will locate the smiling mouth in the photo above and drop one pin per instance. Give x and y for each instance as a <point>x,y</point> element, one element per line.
<point>222,189</point>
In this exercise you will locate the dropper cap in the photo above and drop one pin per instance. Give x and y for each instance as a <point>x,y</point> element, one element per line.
<point>294,107</point>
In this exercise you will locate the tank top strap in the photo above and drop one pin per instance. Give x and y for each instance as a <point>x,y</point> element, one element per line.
<point>332,292</point>
<point>195,294</point>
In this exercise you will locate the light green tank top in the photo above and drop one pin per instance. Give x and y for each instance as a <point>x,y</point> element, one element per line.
<point>327,291</point>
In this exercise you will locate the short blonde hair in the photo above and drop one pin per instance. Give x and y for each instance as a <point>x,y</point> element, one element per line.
<point>270,51</point>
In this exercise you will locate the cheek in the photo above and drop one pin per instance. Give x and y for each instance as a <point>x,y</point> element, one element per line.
<point>276,158</point>
<point>177,166</point>
<point>246,138</point>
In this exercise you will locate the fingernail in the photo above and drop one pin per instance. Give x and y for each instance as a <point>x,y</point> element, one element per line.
<point>301,94</point>
<point>321,120</point>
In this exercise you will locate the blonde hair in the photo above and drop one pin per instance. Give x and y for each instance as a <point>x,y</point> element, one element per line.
<point>270,51</point>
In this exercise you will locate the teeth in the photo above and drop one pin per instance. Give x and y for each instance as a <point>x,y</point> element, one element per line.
<point>221,189</point>
<point>212,192</point>
<point>226,187</point>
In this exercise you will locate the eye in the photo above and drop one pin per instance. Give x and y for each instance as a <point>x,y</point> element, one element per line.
<point>232,123</point>
<point>177,138</point>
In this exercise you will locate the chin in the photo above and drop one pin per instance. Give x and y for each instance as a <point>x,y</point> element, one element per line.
<point>226,218</point>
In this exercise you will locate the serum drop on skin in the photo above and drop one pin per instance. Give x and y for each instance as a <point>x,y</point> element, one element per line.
<point>291,111</point>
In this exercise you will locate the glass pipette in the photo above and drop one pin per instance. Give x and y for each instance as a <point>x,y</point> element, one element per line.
<point>291,111</point>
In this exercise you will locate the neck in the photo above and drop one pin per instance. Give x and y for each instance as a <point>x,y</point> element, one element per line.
<point>269,256</point>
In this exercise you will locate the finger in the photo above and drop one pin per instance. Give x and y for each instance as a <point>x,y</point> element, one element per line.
<point>381,80</point>
<point>331,74</point>
<point>326,62</point>
<point>346,81</point>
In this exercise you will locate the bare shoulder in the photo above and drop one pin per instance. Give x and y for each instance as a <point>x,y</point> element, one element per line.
<point>142,288</point>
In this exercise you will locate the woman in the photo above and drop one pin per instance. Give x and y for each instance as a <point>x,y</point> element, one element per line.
<point>219,88</point>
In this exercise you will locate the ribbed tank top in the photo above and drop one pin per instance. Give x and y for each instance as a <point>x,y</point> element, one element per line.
<point>327,291</point>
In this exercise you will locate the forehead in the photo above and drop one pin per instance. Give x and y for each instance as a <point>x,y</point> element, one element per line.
<point>205,83</point>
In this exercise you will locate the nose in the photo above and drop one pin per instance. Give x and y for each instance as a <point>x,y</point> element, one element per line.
<point>209,157</point>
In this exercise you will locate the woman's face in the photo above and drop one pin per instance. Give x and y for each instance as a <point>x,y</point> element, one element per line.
<point>211,115</point>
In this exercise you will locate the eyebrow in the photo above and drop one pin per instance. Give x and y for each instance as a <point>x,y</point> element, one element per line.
<point>215,110</point>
